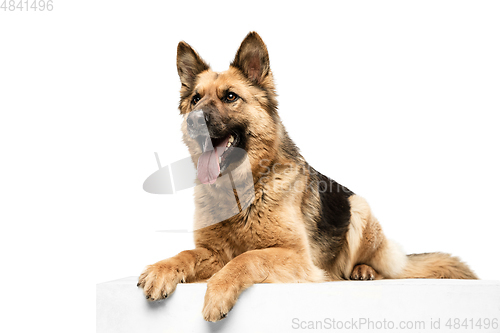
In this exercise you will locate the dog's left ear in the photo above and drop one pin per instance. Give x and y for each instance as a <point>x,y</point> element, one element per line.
<point>189,64</point>
<point>252,58</point>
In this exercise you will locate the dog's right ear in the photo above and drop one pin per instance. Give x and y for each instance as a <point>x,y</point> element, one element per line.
<point>252,58</point>
<point>189,64</point>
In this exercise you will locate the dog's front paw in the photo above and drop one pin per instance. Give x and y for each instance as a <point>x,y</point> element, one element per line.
<point>219,300</point>
<point>159,280</point>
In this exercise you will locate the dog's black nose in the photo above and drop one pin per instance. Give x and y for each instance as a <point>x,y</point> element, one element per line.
<point>197,120</point>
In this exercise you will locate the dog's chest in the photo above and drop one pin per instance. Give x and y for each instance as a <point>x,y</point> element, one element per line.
<point>262,226</point>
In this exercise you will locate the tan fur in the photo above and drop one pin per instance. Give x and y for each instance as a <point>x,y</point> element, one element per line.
<point>366,244</point>
<point>272,248</point>
<point>276,239</point>
<point>436,266</point>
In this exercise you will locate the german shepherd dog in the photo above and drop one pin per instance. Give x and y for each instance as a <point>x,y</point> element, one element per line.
<point>301,226</point>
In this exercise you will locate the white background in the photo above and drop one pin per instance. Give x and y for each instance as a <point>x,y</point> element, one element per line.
<point>396,100</point>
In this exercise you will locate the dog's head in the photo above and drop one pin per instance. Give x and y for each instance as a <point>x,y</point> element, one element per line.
<point>228,110</point>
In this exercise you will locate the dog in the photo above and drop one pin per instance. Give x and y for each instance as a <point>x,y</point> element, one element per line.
<point>300,226</point>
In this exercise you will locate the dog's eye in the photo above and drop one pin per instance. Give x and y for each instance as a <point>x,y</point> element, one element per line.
<point>230,97</point>
<point>196,99</point>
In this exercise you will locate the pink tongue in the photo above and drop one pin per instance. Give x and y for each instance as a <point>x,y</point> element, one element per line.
<point>208,167</point>
<point>208,163</point>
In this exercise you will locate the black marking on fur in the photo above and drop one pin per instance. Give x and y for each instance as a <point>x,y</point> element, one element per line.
<point>334,216</point>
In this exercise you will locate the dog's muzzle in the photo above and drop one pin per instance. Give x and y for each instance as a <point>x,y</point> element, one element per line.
<point>197,122</point>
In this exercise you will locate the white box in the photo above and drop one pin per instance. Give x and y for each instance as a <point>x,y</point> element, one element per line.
<point>358,306</point>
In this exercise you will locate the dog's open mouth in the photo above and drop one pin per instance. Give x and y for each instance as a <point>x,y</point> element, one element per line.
<point>213,162</point>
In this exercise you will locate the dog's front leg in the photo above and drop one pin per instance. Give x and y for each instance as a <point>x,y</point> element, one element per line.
<point>269,265</point>
<point>160,280</point>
